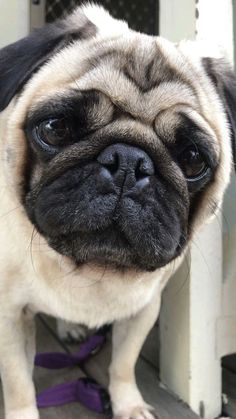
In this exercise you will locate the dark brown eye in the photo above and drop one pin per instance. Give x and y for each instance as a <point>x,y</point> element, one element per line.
<point>55,132</point>
<point>192,163</point>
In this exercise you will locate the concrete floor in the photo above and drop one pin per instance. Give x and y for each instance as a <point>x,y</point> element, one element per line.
<point>167,405</point>
<point>229,386</point>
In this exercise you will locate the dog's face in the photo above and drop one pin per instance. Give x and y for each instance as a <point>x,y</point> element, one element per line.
<point>117,143</point>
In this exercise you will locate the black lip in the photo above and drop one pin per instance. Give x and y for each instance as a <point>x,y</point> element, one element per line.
<point>118,253</point>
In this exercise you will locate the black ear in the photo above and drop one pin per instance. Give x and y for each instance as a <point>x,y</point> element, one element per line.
<point>225,81</point>
<point>20,60</point>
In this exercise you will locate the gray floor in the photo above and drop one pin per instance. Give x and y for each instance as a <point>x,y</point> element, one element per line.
<point>229,386</point>
<point>167,405</point>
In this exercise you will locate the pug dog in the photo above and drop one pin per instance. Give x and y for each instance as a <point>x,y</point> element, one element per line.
<point>116,147</point>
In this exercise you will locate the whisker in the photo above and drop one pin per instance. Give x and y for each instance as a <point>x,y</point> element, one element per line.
<point>10,211</point>
<point>33,235</point>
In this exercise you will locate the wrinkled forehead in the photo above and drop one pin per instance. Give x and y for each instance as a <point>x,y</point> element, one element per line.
<point>140,78</point>
<point>141,74</point>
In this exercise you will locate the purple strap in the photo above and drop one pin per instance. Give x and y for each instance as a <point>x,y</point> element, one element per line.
<point>84,390</point>
<point>57,360</point>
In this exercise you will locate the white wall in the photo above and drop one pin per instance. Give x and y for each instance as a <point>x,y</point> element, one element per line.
<point>177,18</point>
<point>216,24</point>
<point>193,301</point>
<point>229,209</point>
<point>14,20</point>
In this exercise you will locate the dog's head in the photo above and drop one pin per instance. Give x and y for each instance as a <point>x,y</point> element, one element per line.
<point>118,143</point>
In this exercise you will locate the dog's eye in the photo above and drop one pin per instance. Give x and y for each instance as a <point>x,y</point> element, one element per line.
<point>193,164</point>
<point>55,132</point>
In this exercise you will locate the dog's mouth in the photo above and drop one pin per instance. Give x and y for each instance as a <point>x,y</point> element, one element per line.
<point>109,248</point>
<point>106,248</point>
<point>114,211</point>
<point>120,244</point>
<point>125,236</point>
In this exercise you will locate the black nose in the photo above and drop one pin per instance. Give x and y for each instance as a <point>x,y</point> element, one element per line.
<point>125,165</point>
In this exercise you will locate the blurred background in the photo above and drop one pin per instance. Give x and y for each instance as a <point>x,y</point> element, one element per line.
<point>20,16</point>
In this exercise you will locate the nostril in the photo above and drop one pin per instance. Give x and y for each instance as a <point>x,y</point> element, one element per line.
<point>110,161</point>
<point>139,173</point>
<point>144,168</point>
<point>121,161</point>
<point>113,164</point>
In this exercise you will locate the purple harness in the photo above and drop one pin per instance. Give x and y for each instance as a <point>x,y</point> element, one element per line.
<point>84,390</point>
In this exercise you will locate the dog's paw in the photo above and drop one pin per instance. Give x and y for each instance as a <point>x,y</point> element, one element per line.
<point>27,413</point>
<point>127,402</point>
<point>72,332</point>
<point>139,412</point>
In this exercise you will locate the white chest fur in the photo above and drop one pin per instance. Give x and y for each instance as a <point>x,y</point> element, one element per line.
<point>94,298</point>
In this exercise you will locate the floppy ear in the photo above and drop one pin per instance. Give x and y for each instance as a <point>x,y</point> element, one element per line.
<point>225,82</point>
<point>20,60</point>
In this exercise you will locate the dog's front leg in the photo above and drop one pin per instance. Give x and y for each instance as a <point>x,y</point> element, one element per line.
<point>16,371</point>
<point>128,338</point>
